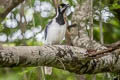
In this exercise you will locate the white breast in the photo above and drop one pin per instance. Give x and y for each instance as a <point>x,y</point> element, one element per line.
<point>55,33</point>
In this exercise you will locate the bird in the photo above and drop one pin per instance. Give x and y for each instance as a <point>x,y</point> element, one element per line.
<point>55,30</point>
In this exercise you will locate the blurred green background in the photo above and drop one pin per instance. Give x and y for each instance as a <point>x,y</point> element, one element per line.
<point>24,25</point>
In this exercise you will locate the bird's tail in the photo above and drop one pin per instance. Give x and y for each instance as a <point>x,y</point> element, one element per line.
<point>48,70</point>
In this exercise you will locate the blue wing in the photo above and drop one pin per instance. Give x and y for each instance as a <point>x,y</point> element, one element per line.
<point>46,29</point>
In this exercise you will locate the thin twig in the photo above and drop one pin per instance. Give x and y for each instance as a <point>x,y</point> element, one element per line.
<point>95,54</point>
<point>101,26</point>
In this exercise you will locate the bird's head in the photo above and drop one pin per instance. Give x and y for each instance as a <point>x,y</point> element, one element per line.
<point>62,8</point>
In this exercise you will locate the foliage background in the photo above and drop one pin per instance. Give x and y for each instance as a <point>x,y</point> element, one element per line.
<point>25,23</point>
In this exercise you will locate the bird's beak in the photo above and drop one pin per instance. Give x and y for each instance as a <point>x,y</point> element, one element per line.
<point>67,5</point>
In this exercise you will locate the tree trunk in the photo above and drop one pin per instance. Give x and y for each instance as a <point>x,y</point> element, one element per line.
<point>71,58</point>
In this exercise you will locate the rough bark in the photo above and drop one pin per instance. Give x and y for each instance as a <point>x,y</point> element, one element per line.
<point>70,58</point>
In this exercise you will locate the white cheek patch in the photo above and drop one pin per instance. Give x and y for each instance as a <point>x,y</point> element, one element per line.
<point>62,9</point>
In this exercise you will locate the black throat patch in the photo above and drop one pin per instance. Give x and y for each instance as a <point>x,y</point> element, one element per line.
<point>60,19</point>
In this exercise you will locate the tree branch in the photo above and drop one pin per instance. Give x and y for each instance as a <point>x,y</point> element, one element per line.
<point>95,54</point>
<point>73,59</point>
<point>8,6</point>
<point>70,58</point>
